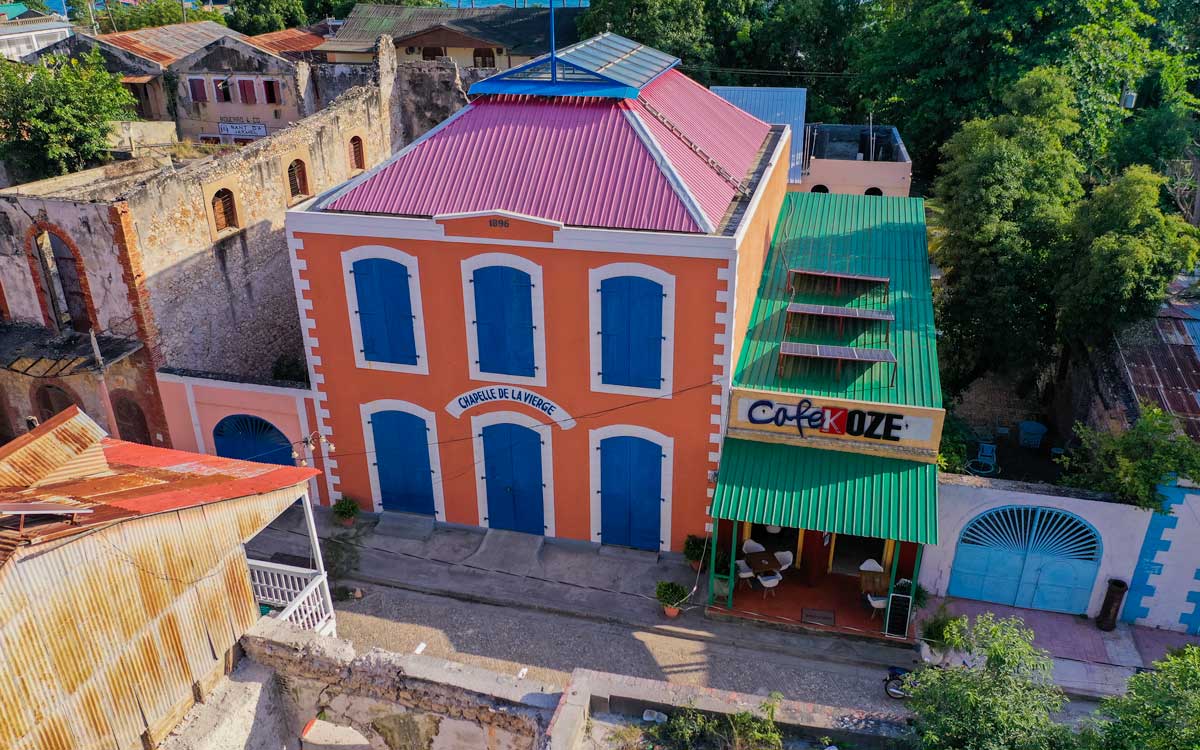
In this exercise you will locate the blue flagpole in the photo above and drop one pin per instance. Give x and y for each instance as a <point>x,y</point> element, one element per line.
<point>553,64</point>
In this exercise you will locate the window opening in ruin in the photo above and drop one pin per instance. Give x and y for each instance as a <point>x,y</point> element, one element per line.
<point>50,400</point>
<point>61,284</point>
<point>222,91</point>
<point>297,179</point>
<point>271,92</point>
<point>131,420</point>
<point>358,158</point>
<point>224,210</point>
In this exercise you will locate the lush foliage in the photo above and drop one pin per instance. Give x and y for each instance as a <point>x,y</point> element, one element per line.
<point>54,117</point>
<point>1159,711</point>
<point>933,629</point>
<point>673,26</point>
<point>670,594</point>
<point>318,10</point>
<point>123,17</point>
<point>263,16</point>
<point>1132,464</point>
<point>956,438</point>
<point>1006,191</point>
<point>1122,253</point>
<point>1003,700</point>
<point>694,547</point>
<point>689,729</point>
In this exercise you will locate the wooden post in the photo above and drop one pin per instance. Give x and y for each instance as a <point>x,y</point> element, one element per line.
<point>891,588</point>
<point>832,547</point>
<point>799,550</point>
<point>889,549</point>
<point>747,527</point>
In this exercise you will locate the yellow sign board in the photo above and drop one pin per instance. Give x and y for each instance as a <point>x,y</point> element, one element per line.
<point>837,424</point>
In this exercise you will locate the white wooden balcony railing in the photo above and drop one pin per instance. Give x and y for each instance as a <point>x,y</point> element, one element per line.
<point>301,594</point>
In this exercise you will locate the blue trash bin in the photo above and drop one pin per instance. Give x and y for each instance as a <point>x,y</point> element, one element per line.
<point>1031,434</point>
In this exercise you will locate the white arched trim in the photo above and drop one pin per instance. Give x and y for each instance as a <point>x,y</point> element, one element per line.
<point>349,258</point>
<point>595,319</point>
<point>480,421</point>
<point>472,264</point>
<point>389,404</point>
<point>666,443</point>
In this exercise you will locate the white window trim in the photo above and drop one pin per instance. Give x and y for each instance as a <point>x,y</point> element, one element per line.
<point>349,257</point>
<point>595,341</point>
<point>474,263</point>
<point>480,421</point>
<point>667,444</point>
<point>372,408</point>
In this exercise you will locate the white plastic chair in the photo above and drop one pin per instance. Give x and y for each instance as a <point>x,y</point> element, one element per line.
<point>750,546</point>
<point>877,603</point>
<point>785,559</point>
<point>769,581</point>
<point>744,573</point>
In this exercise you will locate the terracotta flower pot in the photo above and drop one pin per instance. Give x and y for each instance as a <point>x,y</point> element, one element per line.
<point>695,564</point>
<point>671,612</point>
<point>347,522</point>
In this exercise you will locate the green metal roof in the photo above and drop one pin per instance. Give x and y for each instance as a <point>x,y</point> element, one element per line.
<point>853,234</point>
<point>835,491</point>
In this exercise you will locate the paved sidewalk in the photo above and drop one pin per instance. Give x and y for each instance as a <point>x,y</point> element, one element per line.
<point>518,570</point>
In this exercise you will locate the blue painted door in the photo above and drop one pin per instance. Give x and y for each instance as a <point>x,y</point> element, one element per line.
<point>631,329</point>
<point>252,438</point>
<point>504,320</point>
<point>385,315</point>
<point>1039,558</point>
<point>512,458</point>
<point>402,462</point>
<point>630,492</point>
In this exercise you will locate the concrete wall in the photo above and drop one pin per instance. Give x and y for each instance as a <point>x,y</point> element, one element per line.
<point>135,135</point>
<point>1122,528</point>
<point>331,80</point>
<point>1165,586</point>
<point>856,177</point>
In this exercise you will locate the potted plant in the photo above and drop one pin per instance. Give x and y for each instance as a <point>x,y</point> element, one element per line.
<point>693,550</point>
<point>721,585</point>
<point>670,595</point>
<point>345,511</point>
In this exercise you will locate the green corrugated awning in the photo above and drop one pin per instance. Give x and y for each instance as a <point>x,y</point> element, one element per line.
<point>835,491</point>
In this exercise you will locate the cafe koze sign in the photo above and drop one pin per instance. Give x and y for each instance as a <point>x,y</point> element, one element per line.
<point>880,428</point>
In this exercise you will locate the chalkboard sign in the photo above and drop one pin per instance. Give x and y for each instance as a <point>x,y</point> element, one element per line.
<point>899,607</point>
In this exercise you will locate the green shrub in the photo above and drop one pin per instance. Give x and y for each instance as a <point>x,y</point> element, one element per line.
<point>689,729</point>
<point>956,437</point>
<point>670,594</point>
<point>933,630</point>
<point>693,548</point>
<point>345,508</point>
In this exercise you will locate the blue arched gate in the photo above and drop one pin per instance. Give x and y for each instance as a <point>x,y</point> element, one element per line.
<point>630,492</point>
<point>1025,556</point>
<point>512,456</point>
<point>252,438</point>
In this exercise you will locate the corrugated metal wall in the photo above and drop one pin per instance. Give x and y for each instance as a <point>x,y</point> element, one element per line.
<point>103,635</point>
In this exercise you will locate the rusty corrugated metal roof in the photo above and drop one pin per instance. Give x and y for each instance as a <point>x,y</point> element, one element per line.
<point>131,479</point>
<point>288,40</point>
<point>166,44</point>
<point>1161,362</point>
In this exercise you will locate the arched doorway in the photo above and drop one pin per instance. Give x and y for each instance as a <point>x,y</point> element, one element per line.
<point>131,420</point>
<point>631,471</point>
<point>50,400</point>
<point>252,438</point>
<point>513,478</point>
<point>61,283</point>
<point>1027,556</point>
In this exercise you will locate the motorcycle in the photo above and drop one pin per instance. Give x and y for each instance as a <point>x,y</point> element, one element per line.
<point>893,684</point>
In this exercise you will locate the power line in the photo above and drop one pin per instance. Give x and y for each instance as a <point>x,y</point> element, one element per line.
<point>777,73</point>
<point>551,423</point>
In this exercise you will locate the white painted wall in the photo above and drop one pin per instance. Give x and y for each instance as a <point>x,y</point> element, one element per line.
<point>1180,564</point>
<point>1122,528</point>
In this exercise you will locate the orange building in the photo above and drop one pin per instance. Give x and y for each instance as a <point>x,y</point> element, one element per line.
<point>524,319</point>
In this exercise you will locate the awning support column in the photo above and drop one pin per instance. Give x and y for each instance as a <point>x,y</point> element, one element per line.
<point>891,590</point>
<point>712,562</point>
<point>733,539</point>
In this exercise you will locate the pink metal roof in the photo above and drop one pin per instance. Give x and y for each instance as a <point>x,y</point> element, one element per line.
<point>575,160</point>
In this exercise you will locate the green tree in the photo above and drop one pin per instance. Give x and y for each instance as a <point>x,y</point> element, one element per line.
<point>1123,253</point>
<point>1006,192</point>
<point>318,10</point>
<point>1159,711</point>
<point>262,16</point>
<point>122,17</point>
<point>55,116</point>
<point>1131,465</point>
<point>677,27</point>
<point>1002,700</point>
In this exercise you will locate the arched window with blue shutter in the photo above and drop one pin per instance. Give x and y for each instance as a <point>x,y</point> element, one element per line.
<point>384,297</point>
<point>631,330</point>
<point>504,320</point>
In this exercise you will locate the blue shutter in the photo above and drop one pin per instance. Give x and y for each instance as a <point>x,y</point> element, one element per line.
<point>645,493</point>
<point>614,331</point>
<point>631,331</point>
<point>614,491</point>
<point>402,462</point>
<point>504,320</point>
<point>385,315</point>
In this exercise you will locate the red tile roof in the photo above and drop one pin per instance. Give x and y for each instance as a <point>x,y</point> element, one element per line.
<point>131,480</point>
<point>288,40</point>
<point>669,161</point>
